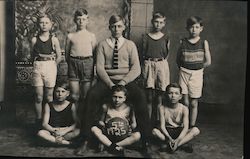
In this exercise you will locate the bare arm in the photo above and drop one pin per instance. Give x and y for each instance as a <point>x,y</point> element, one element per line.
<point>58,49</point>
<point>162,122</point>
<point>33,42</point>
<point>46,118</point>
<point>185,124</point>
<point>94,44</point>
<point>133,119</point>
<point>144,41</point>
<point>167,47</point>
<point>105,109</point>
<point>67,49</point>
<point>207,55</point>
<point>178,56</point>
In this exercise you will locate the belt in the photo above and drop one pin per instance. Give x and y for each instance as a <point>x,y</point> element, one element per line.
<point>39,58</point>
<point>154,59</point>
<point>81,57</point>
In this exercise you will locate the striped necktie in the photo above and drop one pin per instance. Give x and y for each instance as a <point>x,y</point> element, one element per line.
<point>115,55</point>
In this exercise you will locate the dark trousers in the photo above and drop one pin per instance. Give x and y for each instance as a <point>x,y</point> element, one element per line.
<point>100,93</point>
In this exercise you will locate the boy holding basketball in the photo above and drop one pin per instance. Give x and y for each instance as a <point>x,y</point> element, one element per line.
<point>117,126</point>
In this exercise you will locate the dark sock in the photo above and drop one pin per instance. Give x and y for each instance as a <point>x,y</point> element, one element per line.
<point>187,148</point>
<point>112,149</point>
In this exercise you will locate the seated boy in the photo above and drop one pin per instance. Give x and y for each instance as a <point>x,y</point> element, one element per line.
<point>116,129</point>
<point>60,118</point>
<point>174,121</point>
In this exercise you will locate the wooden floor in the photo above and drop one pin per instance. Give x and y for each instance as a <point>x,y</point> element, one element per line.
<point>217,141</point>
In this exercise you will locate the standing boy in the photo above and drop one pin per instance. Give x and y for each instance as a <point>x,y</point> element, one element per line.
<point>155,67</point>
<point>79,56</point>
<point>192,57</point>
<point>47,54</point>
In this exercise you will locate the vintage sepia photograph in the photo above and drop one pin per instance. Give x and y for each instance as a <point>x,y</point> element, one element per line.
<point>123,78</point>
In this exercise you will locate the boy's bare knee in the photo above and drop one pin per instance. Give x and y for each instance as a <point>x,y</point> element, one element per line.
<point>96,130</point>
<point>195,131</point>
<point>75,97</point>
<point>154,131</point>
<point>49,98</point>
<point>41,133</point>
<point>136,136</point>
<point>194,103</point>
<point>39,99</point>
<point>77,132</point>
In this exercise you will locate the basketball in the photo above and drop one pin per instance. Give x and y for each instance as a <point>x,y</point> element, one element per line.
<point>117,129</point>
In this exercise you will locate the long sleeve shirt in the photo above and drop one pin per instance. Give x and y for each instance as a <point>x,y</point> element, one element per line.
<point>128,62</point>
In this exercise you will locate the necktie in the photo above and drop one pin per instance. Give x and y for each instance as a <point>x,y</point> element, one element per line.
<point>115,55</point>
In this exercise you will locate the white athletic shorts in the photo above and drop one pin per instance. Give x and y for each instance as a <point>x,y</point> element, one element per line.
<point>44,73</point>
<point>156,74</point>
<point>191,82</point>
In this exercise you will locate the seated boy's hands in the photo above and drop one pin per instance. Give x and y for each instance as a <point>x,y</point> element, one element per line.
<point>56,133</point>
<point>122,82</point>
<point>174,144</point>
<point>59,132</point>
<point>170,139</point>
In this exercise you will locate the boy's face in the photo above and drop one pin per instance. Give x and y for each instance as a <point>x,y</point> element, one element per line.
<point>195,30</point>
<point>118,98</point>
<point>158,24</point>
<point>61,94</point>
<point>45,24</point>
<point>117,29</point>
<point>82,21</point>
<point>174,95</point>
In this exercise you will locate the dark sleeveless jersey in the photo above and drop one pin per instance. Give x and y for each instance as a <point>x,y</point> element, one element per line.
<point>155,48</point>
<point>192,56</point>
<point>62,118</point>
<point>43,47</point>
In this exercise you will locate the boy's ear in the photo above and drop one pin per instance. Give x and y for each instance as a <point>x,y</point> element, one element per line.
<point>68,93</point>
<point>152,21</point>
<point>181,96</point>
<point>201,28</point>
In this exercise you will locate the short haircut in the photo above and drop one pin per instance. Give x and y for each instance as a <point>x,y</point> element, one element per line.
<point>174,85</point>
<point>194,20</point>
<point>158,15</point>
<point>116,18</point>
<point>63,84</point>
<point>44,16</point>
<point>80,12</point>
<point>120,88</point>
